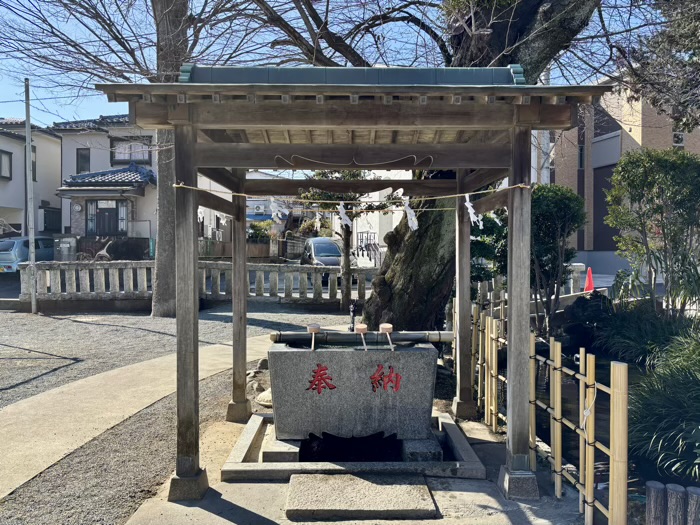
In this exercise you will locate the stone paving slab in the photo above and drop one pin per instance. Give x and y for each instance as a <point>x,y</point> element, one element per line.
<point>459,502</point>
<point>344,496</point>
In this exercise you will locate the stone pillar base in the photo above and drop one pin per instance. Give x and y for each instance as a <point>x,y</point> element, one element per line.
<point>518,484</point>
<point>187,488</point>
<point>238,412</point>
<point>463,409</point>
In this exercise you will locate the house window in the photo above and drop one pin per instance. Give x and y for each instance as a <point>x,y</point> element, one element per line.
<point>131,149</point>
<point>82,160</point>
<point>582,157</point>
<point>107,217</point>
<point>5,164</point>
<point>678,140</point>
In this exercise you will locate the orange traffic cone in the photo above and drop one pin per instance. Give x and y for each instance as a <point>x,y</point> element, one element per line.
<point>589,282</point>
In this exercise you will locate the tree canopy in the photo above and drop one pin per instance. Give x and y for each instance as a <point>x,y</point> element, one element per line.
<point>654,203</point>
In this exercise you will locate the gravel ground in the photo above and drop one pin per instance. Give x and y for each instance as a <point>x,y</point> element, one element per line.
<point>108,478</point>
<point>39,353</point>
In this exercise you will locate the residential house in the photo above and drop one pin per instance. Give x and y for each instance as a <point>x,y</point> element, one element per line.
<point>97,146</point>
<point>584,159</point>
<point>46,175</point>
<point>117,202</point>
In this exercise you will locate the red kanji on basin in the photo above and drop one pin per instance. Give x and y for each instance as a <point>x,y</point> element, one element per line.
<point>380,378</point>
<point>321,379</point>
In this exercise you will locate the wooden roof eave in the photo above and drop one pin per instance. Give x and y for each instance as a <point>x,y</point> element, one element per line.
<point>127,92</point>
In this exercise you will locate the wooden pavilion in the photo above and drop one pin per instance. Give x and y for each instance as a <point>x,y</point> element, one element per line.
<point>477,121</point>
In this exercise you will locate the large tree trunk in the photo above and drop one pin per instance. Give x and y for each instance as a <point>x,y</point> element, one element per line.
<point>417,275</point>
<point>171,26</point>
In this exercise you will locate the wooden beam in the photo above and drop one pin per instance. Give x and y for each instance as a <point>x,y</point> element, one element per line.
<point>483,177</point>
<point>400,115</point>
<point>341,115</point>
<point>239,407</point>
<point>492,201</point>
<point>214,135</point>
<point>221,176</point>
<point>377,156</point>
<point>463,404</point>
<point>187,299</point>
<point>517,442</point>
<point>424,188</point>
<point>214,202</point>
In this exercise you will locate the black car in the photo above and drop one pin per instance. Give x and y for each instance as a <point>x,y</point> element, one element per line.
<point>322,251</point>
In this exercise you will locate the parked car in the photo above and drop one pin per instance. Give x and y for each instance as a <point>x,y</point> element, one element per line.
<point>15,250</point>
<point>322,251</point>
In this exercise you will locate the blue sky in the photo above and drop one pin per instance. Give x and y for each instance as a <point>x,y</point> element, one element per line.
<point>45,112</point>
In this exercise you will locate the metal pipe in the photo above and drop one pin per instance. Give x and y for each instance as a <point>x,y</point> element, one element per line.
<point>353,338</point>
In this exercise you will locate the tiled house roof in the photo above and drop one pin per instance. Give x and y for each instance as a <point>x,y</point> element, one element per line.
<point>131,176</point>
<point>98,124</point>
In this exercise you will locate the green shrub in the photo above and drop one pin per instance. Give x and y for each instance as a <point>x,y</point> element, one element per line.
<point>637,334</point>
<point>682,353</point>
<point>665,421</point>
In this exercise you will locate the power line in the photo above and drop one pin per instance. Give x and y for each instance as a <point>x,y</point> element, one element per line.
<point>51,98</point>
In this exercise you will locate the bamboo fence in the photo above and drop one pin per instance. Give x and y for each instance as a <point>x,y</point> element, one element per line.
<point>488,340</point>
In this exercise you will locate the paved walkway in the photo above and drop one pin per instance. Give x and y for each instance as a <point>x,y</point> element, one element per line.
<point>40,430</point>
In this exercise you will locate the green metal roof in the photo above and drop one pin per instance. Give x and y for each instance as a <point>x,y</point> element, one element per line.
<point>359,76</point>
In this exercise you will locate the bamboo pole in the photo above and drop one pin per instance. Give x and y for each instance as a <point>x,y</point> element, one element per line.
<point>618,443</point>
<point>475,350</point>
<point>557,449</point>
<point>494,376</point>
<point>590,439</point>
<point>533,405</point>
<point>552,394</point>
<point>482,367</point>
<point>581,438</point>
<point>487,371</point>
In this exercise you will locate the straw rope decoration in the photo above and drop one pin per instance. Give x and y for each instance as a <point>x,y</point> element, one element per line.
<point>402,202</point>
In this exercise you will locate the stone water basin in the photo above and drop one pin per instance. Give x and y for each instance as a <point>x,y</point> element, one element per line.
<point>346,391</point>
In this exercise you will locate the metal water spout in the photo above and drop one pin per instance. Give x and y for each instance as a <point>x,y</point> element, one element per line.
<point>361,328</point>
<point>387,328</point>
<point>313,329</point>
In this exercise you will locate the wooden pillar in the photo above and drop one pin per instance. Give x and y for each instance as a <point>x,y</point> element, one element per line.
<point>190,481</point>
<point>517,442</point>
<point>239,407</point>
<point>463,404</point>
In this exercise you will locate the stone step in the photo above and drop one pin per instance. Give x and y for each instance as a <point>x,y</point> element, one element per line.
<point>346,497</point>
<point>276,451</point>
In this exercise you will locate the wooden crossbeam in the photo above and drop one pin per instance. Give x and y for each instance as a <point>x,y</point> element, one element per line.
<point>492,201</point>
<point>483,177</point>
<point>214,202</point>
<point>221,176</point>
<point>368,156</point>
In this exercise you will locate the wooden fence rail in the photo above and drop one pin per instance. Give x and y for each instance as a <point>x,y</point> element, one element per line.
<point>490,341</point>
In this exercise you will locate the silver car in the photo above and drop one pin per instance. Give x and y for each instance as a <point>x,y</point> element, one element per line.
<point>15,250</point>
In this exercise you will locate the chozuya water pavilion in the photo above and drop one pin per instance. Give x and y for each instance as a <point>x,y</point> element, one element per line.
<point>477,121</point>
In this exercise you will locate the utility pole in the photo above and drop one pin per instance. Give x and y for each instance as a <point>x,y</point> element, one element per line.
<point>30,195</point>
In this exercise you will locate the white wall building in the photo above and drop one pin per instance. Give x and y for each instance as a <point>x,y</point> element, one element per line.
<point>370,228</point>
<point>46,150</point>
